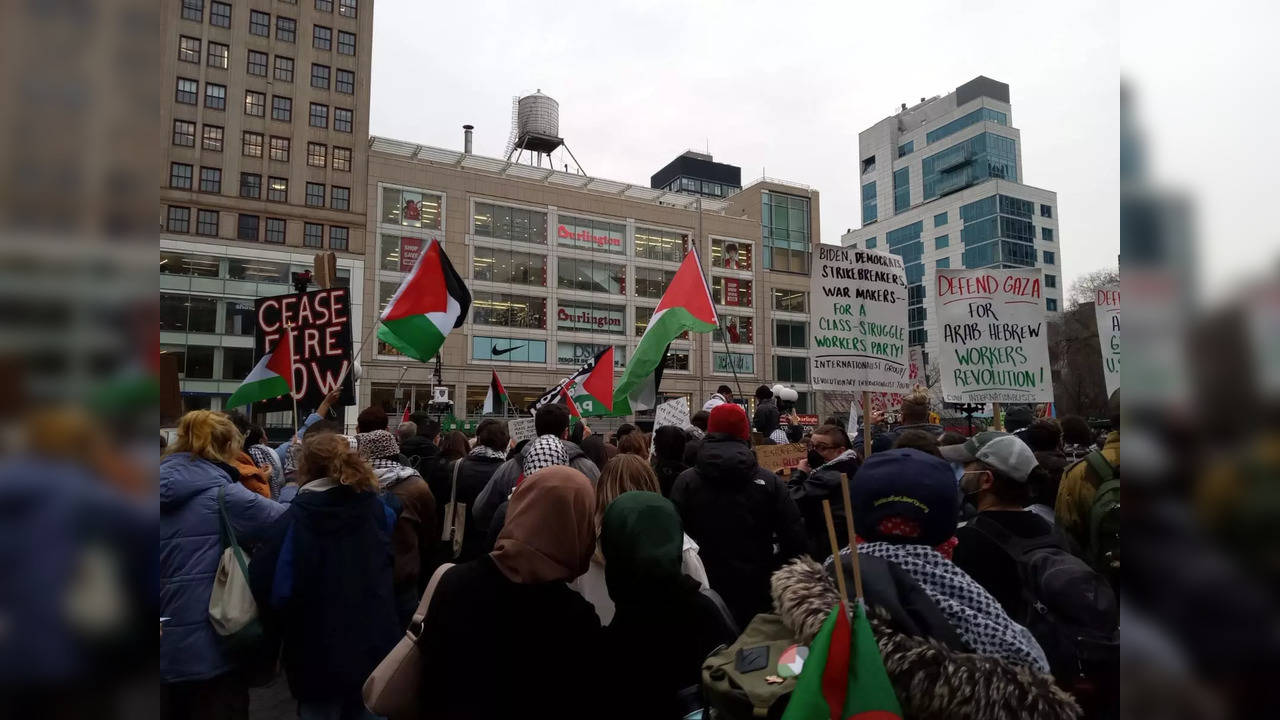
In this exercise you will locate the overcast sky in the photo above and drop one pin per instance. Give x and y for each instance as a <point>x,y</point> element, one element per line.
<point>779,89</point>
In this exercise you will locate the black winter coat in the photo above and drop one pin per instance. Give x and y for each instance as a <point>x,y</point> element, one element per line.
<point>767,418</point>
<point>808,490</point>
<point>421,454</point>
<point>667,473</point>
<point>473,475</point>
<point>736,510</point>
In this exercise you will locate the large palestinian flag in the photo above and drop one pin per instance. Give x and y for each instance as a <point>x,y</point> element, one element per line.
<point>496,399</point>
<point>431,302</point>
<point>594,379</point>
<point>270,378</point>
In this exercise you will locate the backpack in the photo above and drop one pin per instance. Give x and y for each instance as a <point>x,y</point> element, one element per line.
<point>1071,609</point>
<point>735,679</point>
<point>1103,548</point>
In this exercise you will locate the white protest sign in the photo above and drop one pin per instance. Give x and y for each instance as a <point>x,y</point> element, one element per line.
<point>858,321</point>
<point>992,337</point>
<point>1106,306</point>
<point>672,412</point>
<point>521,429</point>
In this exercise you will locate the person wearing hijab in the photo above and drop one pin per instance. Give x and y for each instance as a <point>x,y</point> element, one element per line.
<point>665,625</point>
<point>504,636</point>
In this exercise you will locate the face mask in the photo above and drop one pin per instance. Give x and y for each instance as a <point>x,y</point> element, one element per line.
<point>816,460</point>
<point>971,482</point>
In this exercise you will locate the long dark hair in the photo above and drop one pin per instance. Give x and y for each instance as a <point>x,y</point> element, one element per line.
<point>454,445</point>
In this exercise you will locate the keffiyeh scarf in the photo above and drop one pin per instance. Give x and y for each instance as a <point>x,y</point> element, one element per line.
<point>546,451</point>
<point>487,452</point>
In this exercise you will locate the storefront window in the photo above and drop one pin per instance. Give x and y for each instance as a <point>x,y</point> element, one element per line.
<point>643,314</point>
<point>199,363</point>
<point>791,369</point>
<point>258,270</point>
<point>411,208</point>
<point>510,223</point>
<point>739,328</point>
<point>665,245</point>
<point>506,266</point>
<point>393,400</point>
<point>517,350</point>
<point>187,313</point>
<point>591,317</point>
<point>652,282</point>
<point>729,363</point>
<point>730,254</point>
<point>575,354</point>
<point>591,276</point>
<point>239,318</point>
<point>520,397</point>
<point>677,360</point>
<point>236,363</point>
<point>400,253</point>
<point>734,292</point>
<point>505,310</point>
<point>179,264</point>
<point>589,234</point>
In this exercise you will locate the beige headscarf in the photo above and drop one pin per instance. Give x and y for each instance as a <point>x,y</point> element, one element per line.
<point>550,531</point>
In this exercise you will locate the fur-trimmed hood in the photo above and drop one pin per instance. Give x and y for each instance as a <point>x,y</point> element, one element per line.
<point>932,681</point>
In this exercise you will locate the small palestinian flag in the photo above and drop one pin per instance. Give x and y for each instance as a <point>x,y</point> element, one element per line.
<point>497,398</point>
<point>408,407</point>
<point>431,302</point>
<point>843,676</point>
<point>270,378</point>
<point>594,378</point>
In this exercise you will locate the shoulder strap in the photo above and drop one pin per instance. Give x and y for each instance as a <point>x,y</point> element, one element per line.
<point>414,630</point>
<point>1014,546</point>
<point>229,532</point>
<point>1102,467</point>
<point>453,490</point>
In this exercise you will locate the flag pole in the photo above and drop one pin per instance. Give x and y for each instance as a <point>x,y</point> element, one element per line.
<point>866,425</point>
<point>835,553</point>
<point>853,534</point>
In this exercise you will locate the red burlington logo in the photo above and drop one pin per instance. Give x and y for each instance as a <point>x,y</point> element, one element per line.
<point>586,237</point>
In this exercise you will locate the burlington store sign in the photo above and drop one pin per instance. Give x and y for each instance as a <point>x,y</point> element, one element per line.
<point>588,238</point>
<point>600,319</point>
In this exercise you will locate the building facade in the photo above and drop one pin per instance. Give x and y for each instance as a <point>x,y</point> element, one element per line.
<point>561,265</point>
<point>697,173</point>
<point>265,109</point>
<point>942,186</point>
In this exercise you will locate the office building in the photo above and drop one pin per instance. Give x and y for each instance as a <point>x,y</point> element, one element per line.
<point>696,173</point>
<point>943,186</point>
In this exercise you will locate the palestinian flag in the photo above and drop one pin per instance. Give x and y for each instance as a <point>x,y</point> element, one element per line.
<point>407,408</point>
<point>270,378</point>
<point>432,301</point>
<point>686,305</point>
<point>595,378</point>
<point>497,398</point>
<point>574,414</point>
<point>843,677</point>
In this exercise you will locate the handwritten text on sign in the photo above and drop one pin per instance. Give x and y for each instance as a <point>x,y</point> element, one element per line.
<point>991,326</point>
<point>672,412</point>
<point>1106,306</point>
<point>859,321</point>
<point>521,429</point>
<point>320,323</point>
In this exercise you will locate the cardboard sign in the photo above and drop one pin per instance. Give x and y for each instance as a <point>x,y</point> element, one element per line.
<point>521,429</point>
<point>776,457</point>
<point>859,321</point>
<point>1106,306</point>
<point>672,412</point>
<point>320,323</point>
<point>992,337</point>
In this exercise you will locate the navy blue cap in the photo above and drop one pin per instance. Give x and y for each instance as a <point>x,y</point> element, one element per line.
<point>908,484</point>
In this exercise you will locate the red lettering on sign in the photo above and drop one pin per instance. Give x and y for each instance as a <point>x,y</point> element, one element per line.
<point>585,236</point>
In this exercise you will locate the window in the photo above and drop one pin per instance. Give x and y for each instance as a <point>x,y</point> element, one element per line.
<point>338,237</point>
<point>179,264</point>
<point>1046,211</point>
<point>322,37</point>
<point>319,76</point>
<point>341,198</point>
<point>347,8</point>
<point>236,362</point>
<point>598,276</point>
<point>906,148</point>
<point>219,56</point>
<point>188,49</point>
<point>730,254</point>
<point>411,208</point>
<point>901,189</point>
<point>790,333</point>
<point>591,234</point>
<point>315,194</point>
<point>251,144</point>
<point>274,231</point>
<point>220,14</point>
<point>312,235</point>
<point>500,266</point>
<point>942,262</point>
<point>187,313</point>
<point>255,103</point>
<point>207,222</point>
<point>324,5</point>
<point>868,164</point>
<point>1049,258</point>
<point>940,219</point>
<point>239,319</point>
<point>1046,234</point>
<point>790,300</point>
<point>184,133</point>
<point>739,328</point>
<point>316,153</point>
<point>643,316</point>
<point>342,120</point>
<point>281,108</point>
<point>257,63</point>
<point>785,230</point>
<point>983,114</point>
<point>652,282</point>
<point>210,180</point>
<point>193,10</point>
<point>180,176</point>
<point>250,185</point>
<point>506,310</point>
<point>1051,304</point>
<point>187,91</point>
<point>286,29</point>
<point>345,82</point>
<point>733,292</point>
<point>791,369</point>
<point>969,162</point>
<point>654,244</point>
<point>280,148</point>
<point>215,96</point>
<point>284,69</point>
<point>278,189</point>
<point>346,43</point>
<point>508,349</point>
<point>1051,281</point>
<point>869,203</point>
<point>341,158</point>
<point>726,363</point>
<point>212,139</point>
<point>871,243</point>
<point>259,23</point>
<point>319,115</point>
<point>496,221</point>
<point>247,228</point>
<point>941,241</point>
<point>179,219</point>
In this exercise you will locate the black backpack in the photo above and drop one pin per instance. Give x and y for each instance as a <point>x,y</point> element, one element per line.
<point>1071,609</point>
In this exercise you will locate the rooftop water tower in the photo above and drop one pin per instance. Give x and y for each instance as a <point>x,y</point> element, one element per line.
<point>535,128</point>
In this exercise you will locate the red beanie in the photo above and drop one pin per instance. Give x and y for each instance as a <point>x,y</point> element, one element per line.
<point>731,419</point>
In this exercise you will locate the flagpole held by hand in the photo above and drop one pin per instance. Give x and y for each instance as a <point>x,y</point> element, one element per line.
<point>853,534</point>
<point>835,552</point>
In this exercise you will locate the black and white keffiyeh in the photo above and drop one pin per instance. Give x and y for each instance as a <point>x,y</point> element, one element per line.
<point>975,614</point>
<point>487,452</point>
<point>545,451</point>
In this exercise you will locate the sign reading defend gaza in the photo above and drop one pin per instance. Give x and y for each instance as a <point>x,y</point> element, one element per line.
<point>858,322</point>
<point>320,322</point>
<point>992,337</point>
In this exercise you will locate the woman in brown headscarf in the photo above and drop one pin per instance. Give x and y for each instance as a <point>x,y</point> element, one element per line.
<point>504,635</point>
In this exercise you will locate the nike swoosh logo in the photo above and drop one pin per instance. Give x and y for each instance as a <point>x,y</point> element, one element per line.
<point>496,352</point>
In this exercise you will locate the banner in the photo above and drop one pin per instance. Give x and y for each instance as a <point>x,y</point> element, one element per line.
<point>993,346</point>
<point>777,457</point>
<point>320,323</point>
<point>1106,306</point>
<point>858,321</point>
<point>672,412</point>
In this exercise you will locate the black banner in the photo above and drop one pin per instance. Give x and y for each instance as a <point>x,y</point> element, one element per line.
<point>320,323</point>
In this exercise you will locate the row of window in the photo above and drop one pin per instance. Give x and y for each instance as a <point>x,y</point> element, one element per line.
<point>286,27</point>
<point>253,144</point>
<point>253,269</point>
<point>256,63</point>
<point>702,187</point>
<point>253,228</point>
<point>215,97</point>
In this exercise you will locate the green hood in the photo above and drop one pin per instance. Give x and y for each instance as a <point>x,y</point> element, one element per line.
<point>641,540</point>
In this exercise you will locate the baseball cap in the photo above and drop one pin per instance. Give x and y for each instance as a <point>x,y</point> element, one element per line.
<point>908,488</point>
<point>1000,451</point>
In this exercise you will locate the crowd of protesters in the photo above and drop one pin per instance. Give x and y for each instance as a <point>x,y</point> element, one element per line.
<point>584,574</point>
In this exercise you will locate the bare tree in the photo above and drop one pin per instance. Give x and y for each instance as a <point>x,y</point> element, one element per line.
<point>1085,287</point>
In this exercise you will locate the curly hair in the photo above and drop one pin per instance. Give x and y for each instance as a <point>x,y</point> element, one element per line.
<point>329,455</point>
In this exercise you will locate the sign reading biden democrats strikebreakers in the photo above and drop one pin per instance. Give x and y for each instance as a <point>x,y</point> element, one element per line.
<point>858,323</point>
<point>993,343</point>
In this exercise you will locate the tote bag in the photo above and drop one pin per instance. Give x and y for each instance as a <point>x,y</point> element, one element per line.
<point>393,689</point>
<point>232,610</point>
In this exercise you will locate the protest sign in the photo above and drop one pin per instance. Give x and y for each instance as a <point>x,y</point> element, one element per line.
<point>521,429</point>
<point>890,402</point>
<point>991,331</point>
<point>672,412</point>
<point>1106,306</point>
<point>320,324</point>
<point>859,321</point>
<point>776,457</point>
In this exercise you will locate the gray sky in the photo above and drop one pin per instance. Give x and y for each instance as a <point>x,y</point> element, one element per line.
<point>780,89</point>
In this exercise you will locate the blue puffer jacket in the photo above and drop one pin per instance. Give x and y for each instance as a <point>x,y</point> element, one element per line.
<point>190,548</point>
